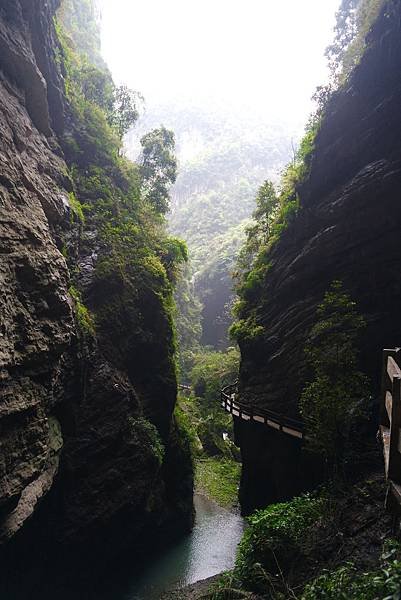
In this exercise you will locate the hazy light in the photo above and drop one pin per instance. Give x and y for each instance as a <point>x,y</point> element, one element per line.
<point>260,55</point>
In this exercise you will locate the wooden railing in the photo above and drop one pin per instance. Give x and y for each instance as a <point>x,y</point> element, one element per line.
<point>390,420</point>
<point>271,419</point>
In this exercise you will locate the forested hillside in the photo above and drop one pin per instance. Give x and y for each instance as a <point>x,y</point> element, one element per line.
<point>222,161</point>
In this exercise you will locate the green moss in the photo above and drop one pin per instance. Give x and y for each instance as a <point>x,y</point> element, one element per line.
<point>218,478</point>
<point>83,316</point>
<point>64,250</point>
<point>76,208</point>
<point>146,434</point>
<point>246,330</point>
<point>186,416</point>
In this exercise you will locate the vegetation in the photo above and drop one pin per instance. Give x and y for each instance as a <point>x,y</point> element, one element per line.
<point>218,478</point>
<point>337,396</point>
<point>324,545</point>
<point>146,434</point>
<point>158,167</point>
<point>208,428</point>
<point>76,207</point>
<point>353,21</point>
<point>277,206</point>
<point>273,538</point>
<point>212,371</point>
<point>128,303</point>
<point>348,583</point>
<point>83,316</point>
<point>211,205</point>
<point>80,18</point>
<point>201,410</point>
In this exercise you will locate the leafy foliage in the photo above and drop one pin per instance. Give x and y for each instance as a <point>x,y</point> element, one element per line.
<point>336,397</point>
<point>275,210</point>
<point>275,534</point>
<point>158,167</point>
<point>80,18</point>
<point>76,208</point>
<point>89,86</point>
<point>212,371</point>
<point>353,21</point>
<point>273,538</point>
<point>347,583</point>
<point>125,109</point>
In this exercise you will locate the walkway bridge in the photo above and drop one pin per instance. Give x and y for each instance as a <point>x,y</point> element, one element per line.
<point>390,421</point>
<point>269,418</point>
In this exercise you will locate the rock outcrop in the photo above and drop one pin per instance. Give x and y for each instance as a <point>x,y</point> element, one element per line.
<point>347,228</point>
<point>89,452</point>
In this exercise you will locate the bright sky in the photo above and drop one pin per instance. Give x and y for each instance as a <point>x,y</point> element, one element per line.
<point>267,55</point>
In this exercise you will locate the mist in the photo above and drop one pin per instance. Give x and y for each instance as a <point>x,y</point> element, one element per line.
<point>258,56</point>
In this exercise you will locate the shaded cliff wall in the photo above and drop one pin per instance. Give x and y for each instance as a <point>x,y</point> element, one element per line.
<point>81,464</point>
<point>347,228</point>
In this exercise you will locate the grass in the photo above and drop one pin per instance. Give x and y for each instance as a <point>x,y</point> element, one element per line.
<point>218,478</point>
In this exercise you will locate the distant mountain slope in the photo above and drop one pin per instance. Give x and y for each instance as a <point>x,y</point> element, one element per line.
<point>223,159</point>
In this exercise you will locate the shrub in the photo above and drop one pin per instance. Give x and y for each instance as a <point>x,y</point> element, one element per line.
<point>347,583</point>
<point>336,397</point>
<point>275,535</point>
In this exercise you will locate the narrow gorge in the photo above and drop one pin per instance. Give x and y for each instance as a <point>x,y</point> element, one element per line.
<point>154,254</point>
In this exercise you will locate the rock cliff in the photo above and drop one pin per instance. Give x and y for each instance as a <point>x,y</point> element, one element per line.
<point>347,228</point>
<point>89,451</point>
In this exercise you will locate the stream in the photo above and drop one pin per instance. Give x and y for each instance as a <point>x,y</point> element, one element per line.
<point>208,550</point>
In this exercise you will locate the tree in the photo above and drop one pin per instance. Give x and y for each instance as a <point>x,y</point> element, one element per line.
<point>259,232</point>
<point>97,86</point>
<point>125,109</point>
<point>353,21</point>
<point>345,30</point>
<point>266,208</point>
<point>158,167</point>
<point>336,398</point>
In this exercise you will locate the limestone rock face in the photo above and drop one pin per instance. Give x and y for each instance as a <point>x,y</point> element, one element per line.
<point>35,319</point>
<point>80,464</point>
<point>348,228</point>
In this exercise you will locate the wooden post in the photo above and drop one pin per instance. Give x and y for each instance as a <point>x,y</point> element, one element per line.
<point>385,385</point>
<point>394,466</point>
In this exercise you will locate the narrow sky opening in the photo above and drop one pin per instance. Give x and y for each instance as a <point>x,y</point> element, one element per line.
<point>262,56</point>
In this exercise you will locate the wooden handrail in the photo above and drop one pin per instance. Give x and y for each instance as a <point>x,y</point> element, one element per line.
<point>246,412</point>
<point>390,422</point>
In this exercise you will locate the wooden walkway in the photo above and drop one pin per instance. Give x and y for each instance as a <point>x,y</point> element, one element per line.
<point>271,419</point>
<point>390,424</point>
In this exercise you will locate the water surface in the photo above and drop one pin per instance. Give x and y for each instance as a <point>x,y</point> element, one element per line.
<point>208,550</point>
